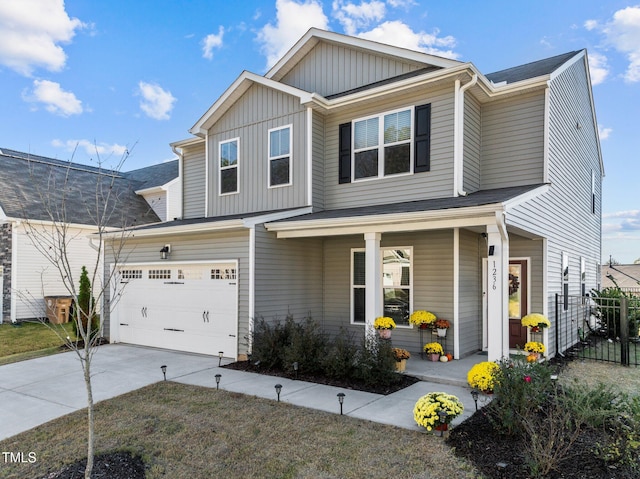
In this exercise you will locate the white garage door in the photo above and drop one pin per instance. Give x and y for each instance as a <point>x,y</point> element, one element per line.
<point>188,307</point>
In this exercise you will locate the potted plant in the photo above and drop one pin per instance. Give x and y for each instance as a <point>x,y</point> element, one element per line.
<point>482,376</point>
<point>535,349</point>
<point>441,327</point>
<point>434,350</point>
<point>427,409</point>
<point>422,319</point>
<point>384,325</point>
<point>535,321</point>
<point>401,356</point>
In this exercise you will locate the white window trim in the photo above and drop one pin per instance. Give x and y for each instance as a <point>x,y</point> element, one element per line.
<point>221,168</point>
<point>382,145</point>
<point>352,286</point>
<point>271,158</point>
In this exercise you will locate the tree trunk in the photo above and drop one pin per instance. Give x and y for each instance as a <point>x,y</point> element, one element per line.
<point>87,380</point>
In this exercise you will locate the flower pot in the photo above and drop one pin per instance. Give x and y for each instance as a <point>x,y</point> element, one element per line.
<point>434,357</point>
<point>535,329</point>
<point>424,326</point>
<point>401,365</point>
<point>384,333</point>
<point>442,427</point>
<point>442,332</point>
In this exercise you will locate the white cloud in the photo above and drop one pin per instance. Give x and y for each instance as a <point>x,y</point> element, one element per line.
<point>54,98</point>
<point>604,132</point>
<point>623,33</point>
<point>356,17</point>
<point>399,34</point>
<point>401,3</point>
<point>156,102</point>
<point>598,68</point>
<point>212,41</point>
<point>591,24</point>
<point>32,31</point>
<point>293,19</point>
<point>91,147</point>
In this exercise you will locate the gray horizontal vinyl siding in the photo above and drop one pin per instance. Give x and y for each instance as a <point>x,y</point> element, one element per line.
<point>432,282</point>
<point>250,119</point>
<point>472,145</point>
<point>436,183</point>
<point>513,142</point>
<point>201,247</point>
<point>472,246</point>
<point>193,181</point>
<point>328,69</point>
<point>288,277</point>
<point>318,161</point>
<point>563,215</point>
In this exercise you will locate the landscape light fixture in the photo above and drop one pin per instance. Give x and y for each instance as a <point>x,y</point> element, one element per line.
<point>164,371</point>
<point>218,376</point>
<point>295,368</point>
<point>474,395</point>
<point>442,414</point>
<point>502,468</point>
<point>341,401</point>
<point>278,389</point>
<point>164,252</point>
<point>220,354</point>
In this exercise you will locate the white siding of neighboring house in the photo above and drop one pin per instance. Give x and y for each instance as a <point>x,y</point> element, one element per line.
<point>329,68</point>
<point>158,202</point>
<point>174,197</point>
<point>36,277</point>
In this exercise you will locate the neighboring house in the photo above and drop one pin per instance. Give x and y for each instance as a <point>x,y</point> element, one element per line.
<point>623,276</point>
<point>31,195</point>
<point>356,179</point>
<point>160,187</point>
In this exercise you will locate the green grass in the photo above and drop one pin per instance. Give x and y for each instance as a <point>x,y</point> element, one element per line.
<point>603,350</point>
<point>190,431</point>
<point>31,340</point>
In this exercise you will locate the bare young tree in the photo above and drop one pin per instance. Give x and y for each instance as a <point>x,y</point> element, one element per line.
<point>100,195</point>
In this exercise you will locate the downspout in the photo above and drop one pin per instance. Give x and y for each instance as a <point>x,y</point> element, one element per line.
<point>458,136</point>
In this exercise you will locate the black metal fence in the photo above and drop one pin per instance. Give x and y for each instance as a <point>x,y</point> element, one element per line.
<point>599,327</point>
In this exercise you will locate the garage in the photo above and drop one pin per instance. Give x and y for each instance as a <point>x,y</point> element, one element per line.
<point>184,306</point>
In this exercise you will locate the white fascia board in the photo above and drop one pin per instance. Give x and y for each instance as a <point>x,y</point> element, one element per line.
<point>237,88</point>
<point>19,221</point>
<point>186,142</point>
<point>152,190</point>
<point>3,216</point>
<point>420,220</point>
<point>315,34</point>
<point>279,215</point>
<point>523,198</point>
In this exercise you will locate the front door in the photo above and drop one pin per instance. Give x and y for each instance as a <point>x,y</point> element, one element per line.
<point>518,302</point>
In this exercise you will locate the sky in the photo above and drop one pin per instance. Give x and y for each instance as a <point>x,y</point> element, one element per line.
<point>91,81</point>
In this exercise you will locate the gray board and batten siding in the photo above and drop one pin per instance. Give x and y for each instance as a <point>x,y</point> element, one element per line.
<point>250,119</point>
<point>202,247</point>
<point>330,69</point>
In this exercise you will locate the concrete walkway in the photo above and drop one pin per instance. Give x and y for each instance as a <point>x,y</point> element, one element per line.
<point>36,391</point>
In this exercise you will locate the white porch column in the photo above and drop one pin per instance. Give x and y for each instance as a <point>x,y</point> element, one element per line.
<point>372,280</point>
<point>497,292</point>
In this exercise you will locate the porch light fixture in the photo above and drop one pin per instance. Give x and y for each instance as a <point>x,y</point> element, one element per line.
<point>278,389</point>
<point>474,395</point>
<point>164,371</point>
<point>164,252</point>
<point>442,415</point>
<point>220,354</point>
<point>341,401</point>
<point>218,376</point>
<point>295,368</point>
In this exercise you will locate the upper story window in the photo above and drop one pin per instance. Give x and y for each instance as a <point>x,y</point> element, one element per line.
<point>280,156</point>
<point>392,143</point>
<point>382,145</point>
<point>229,160</point>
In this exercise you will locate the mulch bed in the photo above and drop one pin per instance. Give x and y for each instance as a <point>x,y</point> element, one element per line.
<point>402,382</point>
<point>115,465</point>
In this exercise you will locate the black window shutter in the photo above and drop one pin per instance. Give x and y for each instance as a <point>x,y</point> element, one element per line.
<point>422,138</point>
<point>344,153</point>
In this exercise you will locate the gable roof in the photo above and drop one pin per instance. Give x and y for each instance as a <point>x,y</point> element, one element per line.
<point>153,176</point>
<point>535,69</point>
<point>32,186</point>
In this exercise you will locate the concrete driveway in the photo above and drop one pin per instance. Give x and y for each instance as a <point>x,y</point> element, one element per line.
<point>36,391</point>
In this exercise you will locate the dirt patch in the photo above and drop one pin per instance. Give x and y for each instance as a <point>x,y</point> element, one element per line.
<point>115,465</point>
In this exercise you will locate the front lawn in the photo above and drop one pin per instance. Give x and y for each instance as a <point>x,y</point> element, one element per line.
<point>189,431</point>
<point>30,340</point>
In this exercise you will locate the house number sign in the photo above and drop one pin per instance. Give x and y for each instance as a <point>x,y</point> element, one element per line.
<point>494,277</point>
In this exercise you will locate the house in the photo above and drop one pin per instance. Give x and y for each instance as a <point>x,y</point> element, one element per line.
<point>623,276</point>
<point>31,197</point>
<point>357,179</point>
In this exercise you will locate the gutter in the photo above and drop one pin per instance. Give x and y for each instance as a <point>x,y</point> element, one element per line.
<point>458,136</point>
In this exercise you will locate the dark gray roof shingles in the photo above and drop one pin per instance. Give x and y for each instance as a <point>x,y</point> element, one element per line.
<point>154,175</point>
<point>40,188</point>
<point>531,70</point>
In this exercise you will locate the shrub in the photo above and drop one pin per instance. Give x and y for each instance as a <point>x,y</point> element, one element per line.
<point>85,308</point>
<point>375,363</point>
<point>340,360</point>
<point>608,307</point>
<point>307,345</point>
<point>483,376</point>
